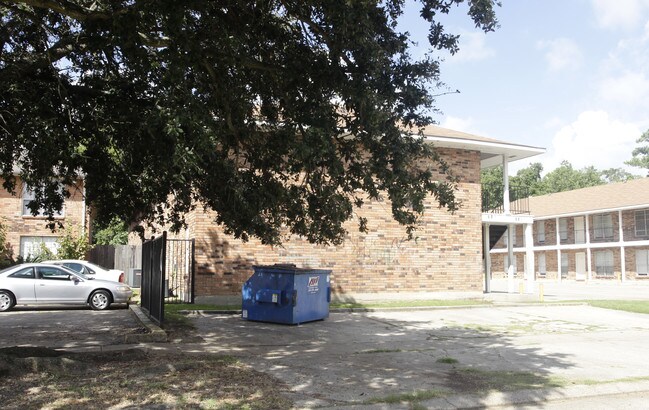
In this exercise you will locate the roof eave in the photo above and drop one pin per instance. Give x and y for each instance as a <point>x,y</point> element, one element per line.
<point>491,152</point>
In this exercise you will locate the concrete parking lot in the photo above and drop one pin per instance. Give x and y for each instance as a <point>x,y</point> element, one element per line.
<point>503,355</point>
<point>449,357</point>
<point>68,328</point>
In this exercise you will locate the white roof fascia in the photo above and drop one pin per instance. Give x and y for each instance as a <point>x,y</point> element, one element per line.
<point>513,152</point>
<point>592,212</point>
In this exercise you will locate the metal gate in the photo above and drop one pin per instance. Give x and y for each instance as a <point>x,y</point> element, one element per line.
<point>167,274</point>
<point>180,271</point>
<point>153,277</point>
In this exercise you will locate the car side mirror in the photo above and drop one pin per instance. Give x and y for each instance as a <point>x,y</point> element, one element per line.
<point>73,278</point>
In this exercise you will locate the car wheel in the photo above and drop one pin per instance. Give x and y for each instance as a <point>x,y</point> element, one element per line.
<point>100,300</point>
<point>6,301</point>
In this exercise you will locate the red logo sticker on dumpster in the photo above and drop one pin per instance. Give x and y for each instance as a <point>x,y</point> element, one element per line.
<point>313,284</point>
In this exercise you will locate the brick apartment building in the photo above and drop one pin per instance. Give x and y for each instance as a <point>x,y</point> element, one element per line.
<point>596,233</point>
<point>445,258</point>
<point>25,232</point>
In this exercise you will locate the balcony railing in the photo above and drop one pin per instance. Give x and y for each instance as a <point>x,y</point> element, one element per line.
<point>599,235</point>
<point>492,199</point>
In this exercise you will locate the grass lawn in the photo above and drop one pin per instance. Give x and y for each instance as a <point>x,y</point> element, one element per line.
<point>635,306</point>
<point>175,308</point>
<point>40,378</point>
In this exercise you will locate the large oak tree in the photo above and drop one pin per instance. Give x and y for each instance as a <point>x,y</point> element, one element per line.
<point>280,115</point>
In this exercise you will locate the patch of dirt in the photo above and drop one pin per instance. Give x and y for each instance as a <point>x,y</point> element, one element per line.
<point>470,380</point>
<point>181,330</point>
<point>134,378</point>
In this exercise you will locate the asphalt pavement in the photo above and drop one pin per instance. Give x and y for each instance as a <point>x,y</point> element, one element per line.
<point>74,328</point>
<point>477,357</point>
<point>511,354</point>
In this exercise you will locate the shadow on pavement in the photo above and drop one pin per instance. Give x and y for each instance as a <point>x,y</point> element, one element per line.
<point>356,359</point>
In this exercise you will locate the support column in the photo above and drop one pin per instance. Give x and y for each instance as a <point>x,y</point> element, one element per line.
<point>511,288</point>
<point>487,260</point>
<point>529,260</point>
<point>558,239</point>
<point>506,204</point>
<point>622,250</point>
<point>588,252</point>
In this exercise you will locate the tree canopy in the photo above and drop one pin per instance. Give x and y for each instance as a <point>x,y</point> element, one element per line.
<point>640,155</point>
<point>280,115</point>
<point>562,178</point>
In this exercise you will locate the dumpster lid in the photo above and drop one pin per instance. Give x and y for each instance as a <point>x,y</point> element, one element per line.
<point>289,268</point>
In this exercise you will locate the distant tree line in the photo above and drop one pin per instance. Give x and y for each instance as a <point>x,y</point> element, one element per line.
<point>567,178</point>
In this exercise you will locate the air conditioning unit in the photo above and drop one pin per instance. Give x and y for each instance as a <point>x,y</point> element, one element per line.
<point>135,277</point>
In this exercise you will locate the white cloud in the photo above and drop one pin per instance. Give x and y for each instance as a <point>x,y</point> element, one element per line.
<point>473,47</point>
<point>457,123</point>
<point>562,54</point>
<point>624,14</point>
<point>631,88</point>
<point>624,75</point>
<point>592,139</point>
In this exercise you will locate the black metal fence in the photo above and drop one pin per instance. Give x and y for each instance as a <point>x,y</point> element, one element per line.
<point>168,268</point>
<point>153,277</point>
<point>180,271</point>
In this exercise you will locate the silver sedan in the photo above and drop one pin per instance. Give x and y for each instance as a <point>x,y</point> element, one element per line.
<point>42,284</point>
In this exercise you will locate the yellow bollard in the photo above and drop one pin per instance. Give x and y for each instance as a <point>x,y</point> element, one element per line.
<point>541,294</point>
<point>521,287</point>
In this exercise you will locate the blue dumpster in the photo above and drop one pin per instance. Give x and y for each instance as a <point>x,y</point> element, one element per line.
<point>286,294</point>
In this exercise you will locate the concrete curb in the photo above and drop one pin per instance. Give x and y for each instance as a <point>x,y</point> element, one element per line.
<point>154,333</point>
<point>521,397</point>
<point>399,309</point>
<point>512,398</point>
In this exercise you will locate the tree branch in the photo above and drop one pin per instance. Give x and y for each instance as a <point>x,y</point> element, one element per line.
<point>68,8</point>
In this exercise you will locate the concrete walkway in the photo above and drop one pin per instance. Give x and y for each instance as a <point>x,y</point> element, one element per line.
<point>467,357</point>
<point>504,355</point>
<point>553,291</point>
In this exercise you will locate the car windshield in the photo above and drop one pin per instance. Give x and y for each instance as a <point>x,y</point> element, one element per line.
<point>95,266</point>
<point>79,274</point>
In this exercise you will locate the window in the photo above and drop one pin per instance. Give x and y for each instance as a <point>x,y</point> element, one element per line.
<point>563,229</point>
<point>642,222</point>
<point>31,246</point>
<point>77,267</point>
<point>28,196</point>
<point>542,270</point>
<point>604,263</point>
<point>540,231</point>
<point>26,273</point>
<point>564,265</point>
<point>603,226</point>
<point>642,262</point>
<point>53,274</point>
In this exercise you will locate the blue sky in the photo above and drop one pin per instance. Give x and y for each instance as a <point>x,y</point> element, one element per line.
<point>571,76</point>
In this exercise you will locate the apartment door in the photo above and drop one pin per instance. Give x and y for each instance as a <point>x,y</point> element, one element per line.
<point>580,266</point>
<point>580,230</point>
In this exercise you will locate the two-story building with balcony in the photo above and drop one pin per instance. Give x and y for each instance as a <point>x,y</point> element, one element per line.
<point>444,259</point>
<point>596,233</point>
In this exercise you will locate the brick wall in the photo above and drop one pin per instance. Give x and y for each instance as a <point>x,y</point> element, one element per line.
<point>19,225</point>
<point>445,256</point>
